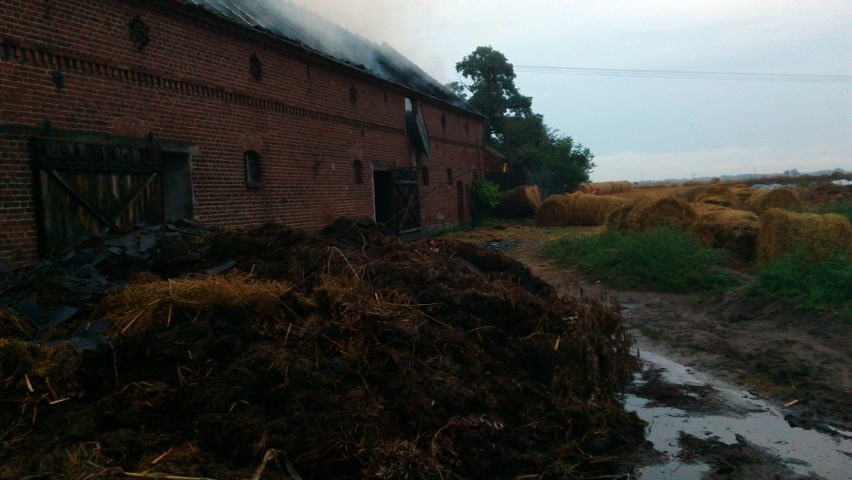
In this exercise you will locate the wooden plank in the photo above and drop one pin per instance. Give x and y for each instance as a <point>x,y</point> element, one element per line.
<point>134,197</point>
<point>73,193</point>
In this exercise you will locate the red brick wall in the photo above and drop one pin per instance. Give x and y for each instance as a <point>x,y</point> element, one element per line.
<point>192,84</point>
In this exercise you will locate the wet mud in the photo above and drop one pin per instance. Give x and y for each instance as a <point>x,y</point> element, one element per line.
<point>779,402</point>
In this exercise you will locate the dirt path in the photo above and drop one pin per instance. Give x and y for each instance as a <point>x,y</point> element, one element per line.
<point>799,361</point>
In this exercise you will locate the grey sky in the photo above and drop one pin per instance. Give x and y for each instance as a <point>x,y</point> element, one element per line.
<point>650,128</point>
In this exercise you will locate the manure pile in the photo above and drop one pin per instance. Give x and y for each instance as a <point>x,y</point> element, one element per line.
<point>344,354</point>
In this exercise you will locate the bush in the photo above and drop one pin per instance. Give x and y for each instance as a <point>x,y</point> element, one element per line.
<point>660,259</point>
<point>485,196</point>
<point>809,285</point>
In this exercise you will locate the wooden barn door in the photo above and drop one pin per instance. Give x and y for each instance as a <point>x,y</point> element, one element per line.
<point>405,198</point>
<point>86,187</point>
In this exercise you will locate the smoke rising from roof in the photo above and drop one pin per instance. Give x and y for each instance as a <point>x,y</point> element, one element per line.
<point>295,23</point>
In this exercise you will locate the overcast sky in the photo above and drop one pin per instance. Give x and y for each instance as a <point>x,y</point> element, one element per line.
<point>650,128</point>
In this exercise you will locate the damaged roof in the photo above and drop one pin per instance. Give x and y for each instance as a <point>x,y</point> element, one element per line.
<point>297,25</point>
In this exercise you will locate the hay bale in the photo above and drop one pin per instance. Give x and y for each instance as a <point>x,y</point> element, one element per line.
<point>618,218</point>
<point>783,198</point>
<point>520,202</point>
<point>649,213</point>
<point>554,211</point>
<point>817,236</point>
<point>579,209</point>
<point>605,188</point>
<point>733,230</point>
<point>720,195</point>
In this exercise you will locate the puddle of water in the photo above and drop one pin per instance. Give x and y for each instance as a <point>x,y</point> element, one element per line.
<point>803,451</point>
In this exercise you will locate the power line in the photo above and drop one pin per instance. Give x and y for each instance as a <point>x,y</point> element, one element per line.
<point>684,74</point>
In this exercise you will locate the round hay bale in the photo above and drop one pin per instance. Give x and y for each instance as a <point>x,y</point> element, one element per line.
<point>617,219</point>
<point>783,198</point>
<point>520,202</point>
<point>733,230</point>
<point>719,195</point>
<point>743,192</point>
<point>592,210</point>
<point>605,188</point>
<point>577,209</point>
<point>817,236</point>
<point>649,213</point>
<point>554,212</point>
<point>713,194</point>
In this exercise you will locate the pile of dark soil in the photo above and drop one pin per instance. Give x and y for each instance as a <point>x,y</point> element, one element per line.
<point>344,354</point>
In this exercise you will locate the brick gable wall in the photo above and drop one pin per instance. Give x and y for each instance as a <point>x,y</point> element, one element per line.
<point>192,84</point>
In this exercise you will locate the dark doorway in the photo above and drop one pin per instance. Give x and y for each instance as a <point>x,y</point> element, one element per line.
<point>177,187</point>
<point>382,186</point>
<point>87,185</point>
<point>397,199</point>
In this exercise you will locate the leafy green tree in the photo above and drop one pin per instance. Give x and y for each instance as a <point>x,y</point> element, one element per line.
<point>526,140</point>
<point>511,124</point>
<point>492,89</point>
<point>571,162</point>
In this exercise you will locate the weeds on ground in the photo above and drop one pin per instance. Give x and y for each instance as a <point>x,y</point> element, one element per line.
<point>662,259</point>
<point>812,286</point>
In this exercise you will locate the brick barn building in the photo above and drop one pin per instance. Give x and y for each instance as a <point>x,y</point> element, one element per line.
<point>120,112</point>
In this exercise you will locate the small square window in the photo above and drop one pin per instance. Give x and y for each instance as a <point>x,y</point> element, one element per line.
<point>252,164</point>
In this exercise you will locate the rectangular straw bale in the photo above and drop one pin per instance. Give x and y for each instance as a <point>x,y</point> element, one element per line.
<point>733,230</point>
<point>817,236</point>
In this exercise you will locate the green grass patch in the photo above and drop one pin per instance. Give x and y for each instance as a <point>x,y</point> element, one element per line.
<point>662,260</point>
<point>811,286</point>
<point>650,332</point>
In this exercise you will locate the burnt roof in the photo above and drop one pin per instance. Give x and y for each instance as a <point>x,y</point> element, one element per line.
<point>313,33</point>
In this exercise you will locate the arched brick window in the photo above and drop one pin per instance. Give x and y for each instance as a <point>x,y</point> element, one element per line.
<point>425,176</point>
<point>449,176</point>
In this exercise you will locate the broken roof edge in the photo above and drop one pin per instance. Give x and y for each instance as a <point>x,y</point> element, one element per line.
<point>452,101</point>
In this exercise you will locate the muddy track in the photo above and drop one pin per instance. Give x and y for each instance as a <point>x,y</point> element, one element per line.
<point>801,361</point>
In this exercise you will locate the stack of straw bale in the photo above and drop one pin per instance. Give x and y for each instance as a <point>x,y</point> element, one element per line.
<point>605,188</point>
<point>721,227</point>
<point>763,200</point>
<point>817,236</point>
<point>578,209</point>
<point>650,212</point>
<point>520,202</point>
